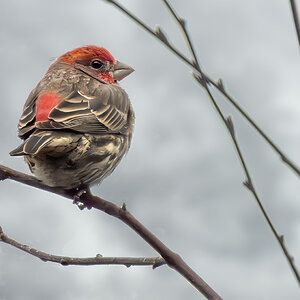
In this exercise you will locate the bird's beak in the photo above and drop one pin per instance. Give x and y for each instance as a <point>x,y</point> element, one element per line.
<point>121,70</point>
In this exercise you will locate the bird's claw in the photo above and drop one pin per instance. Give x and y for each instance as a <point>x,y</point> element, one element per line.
<point>77,198</point>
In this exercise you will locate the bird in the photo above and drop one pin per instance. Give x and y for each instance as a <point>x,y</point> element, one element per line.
<point>77,123</point>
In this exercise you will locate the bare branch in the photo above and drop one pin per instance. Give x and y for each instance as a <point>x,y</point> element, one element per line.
<point>160,34</point>
<point>283,157</point>
<point>90,201</point>
<point>97,260</point>
<point>202,80</point>
<point>249,184</point>
<point>296,19</point>
<point>220,88</point>
<point>181,22</point>
<point>221,85</point>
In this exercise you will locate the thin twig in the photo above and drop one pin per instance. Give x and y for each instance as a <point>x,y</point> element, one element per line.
<point>203,80</point>
<point>230,126</point>
<point>182,25</point>
<point>296,19</point>
<point>206,79</point>
<point>97,260</point>
<point>249,184</point>
<point>90,201</point>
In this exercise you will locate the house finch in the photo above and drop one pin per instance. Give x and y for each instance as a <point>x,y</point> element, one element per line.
<point>77,123</point>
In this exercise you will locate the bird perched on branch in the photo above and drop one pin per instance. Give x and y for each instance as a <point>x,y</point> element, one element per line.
<point>77,123</point>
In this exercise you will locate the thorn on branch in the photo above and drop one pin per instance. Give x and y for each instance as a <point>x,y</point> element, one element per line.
<point>248,185</point>
<point>182,22</point>
<point>230,125</point>
<point>161,35</point>
<point>221,85</point>
<point>63,262</point>
<point>124,206</point>
<point>202,80</point>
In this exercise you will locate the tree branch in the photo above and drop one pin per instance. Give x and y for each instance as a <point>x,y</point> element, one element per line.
<point>90,201</point>
<point>97,260</point>
<point>296,19</point>
<point>250,186</point>
<point>230,126</point>
<point>206,79</point>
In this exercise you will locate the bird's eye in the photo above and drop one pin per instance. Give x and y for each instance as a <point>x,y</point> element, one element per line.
<point>96,64</point>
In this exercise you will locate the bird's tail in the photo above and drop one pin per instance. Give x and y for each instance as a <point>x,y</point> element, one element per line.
<point>18,151</point>
<point>32,145</point>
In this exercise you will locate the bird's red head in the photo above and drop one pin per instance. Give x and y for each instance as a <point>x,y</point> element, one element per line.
<point>86,54</point>
<point>96,62</point>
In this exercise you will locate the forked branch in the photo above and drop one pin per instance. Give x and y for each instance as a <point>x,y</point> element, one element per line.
<point>204,81</point>
<point>96,260</point>
<point>90,201</point>
<point>296,19</point>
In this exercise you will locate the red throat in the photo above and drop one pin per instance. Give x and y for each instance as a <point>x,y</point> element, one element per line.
<point>106,77</point>
<point>45,104</point>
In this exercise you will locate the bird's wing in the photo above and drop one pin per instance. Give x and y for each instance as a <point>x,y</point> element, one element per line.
<point>99,109</point>
<point>27,119</point>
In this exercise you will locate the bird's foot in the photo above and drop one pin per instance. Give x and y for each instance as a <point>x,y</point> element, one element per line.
<point>78,194</point>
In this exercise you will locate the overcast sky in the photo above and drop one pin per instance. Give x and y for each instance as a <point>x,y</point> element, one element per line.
<point>181,178</point>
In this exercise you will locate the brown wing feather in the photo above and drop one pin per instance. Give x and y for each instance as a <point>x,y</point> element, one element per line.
<point>98,109</point>
<point>26,122</point>
<point>113,108</point>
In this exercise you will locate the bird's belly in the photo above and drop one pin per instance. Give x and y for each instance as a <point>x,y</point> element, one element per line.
<point>93,159</point>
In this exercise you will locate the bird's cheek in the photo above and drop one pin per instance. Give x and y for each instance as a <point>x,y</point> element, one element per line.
<point>107,77</point>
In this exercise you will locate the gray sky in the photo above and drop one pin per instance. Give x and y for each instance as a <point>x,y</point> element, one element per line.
<point>181,178</point>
